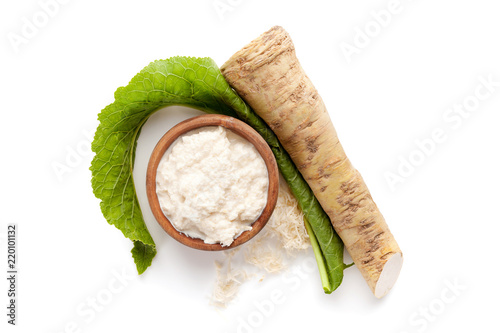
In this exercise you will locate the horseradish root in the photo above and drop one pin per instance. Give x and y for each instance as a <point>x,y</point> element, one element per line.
<point>268,76</point>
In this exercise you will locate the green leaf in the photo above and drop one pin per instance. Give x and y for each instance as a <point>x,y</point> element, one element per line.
<point>197,83</point>
<point>143,256</point>
<point>194,82</point>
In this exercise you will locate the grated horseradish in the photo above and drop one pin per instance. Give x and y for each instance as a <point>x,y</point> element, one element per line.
<point>212,184</point>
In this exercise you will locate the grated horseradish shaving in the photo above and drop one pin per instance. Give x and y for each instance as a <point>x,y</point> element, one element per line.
<point>228,281</point>
<point>287,221</point>
<point>283,236</point>
<point>263,254</point>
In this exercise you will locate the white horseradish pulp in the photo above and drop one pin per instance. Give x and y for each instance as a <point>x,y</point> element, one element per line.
<point>212,184</point>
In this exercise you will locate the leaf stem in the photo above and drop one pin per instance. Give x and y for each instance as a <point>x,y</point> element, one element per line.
<point>320,260</point>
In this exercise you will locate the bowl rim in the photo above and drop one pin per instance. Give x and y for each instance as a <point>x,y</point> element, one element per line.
<point>238,127</point>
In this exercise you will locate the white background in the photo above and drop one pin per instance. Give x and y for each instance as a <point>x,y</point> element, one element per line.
<point>394,91</point>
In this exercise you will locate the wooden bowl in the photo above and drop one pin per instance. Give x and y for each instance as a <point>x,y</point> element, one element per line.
<point>237,127</point>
